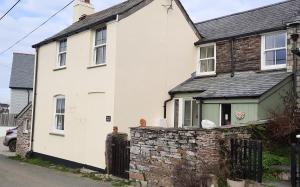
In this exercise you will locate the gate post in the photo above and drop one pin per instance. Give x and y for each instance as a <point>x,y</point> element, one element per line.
<point>293,165</point>
<point>112,140</point>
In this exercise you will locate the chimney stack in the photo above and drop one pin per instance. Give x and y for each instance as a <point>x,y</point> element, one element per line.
<point>81,8</point>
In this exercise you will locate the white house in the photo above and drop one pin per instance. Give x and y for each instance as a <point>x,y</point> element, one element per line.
<point>109,68</point>
<point>21,81</point>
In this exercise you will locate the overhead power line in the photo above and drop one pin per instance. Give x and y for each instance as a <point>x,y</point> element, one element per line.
<point>24,37</point>
<point>10,9</point>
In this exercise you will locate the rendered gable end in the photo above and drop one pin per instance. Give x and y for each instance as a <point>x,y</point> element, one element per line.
<point>155,52</point>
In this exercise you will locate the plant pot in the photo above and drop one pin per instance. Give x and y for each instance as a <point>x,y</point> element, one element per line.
<point>236,183</point>
<point>144,183</point>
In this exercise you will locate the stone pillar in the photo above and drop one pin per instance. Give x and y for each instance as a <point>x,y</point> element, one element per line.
<point>24,132</point>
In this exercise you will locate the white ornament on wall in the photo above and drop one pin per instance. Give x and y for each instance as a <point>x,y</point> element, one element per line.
<point>240,115</point>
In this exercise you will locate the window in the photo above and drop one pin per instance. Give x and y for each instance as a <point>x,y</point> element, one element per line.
<point>190,113</point>
<point>62,53</point>
<point>274,51</point>
<point>59,113</point>
<point>207,59</point>
<point>26,126</point>
<point>100,47</point>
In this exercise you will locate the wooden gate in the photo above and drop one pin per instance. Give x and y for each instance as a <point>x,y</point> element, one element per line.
<point>246,159</point>
<point>120,158</point>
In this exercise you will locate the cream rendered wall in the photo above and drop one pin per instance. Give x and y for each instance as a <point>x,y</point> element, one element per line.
<point>155,52</point>
<point>89,98</point>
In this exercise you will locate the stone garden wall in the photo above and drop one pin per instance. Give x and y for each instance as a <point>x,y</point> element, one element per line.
<point>155,152</point>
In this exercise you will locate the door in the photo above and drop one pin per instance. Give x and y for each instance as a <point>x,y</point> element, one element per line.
<point>225,114</point>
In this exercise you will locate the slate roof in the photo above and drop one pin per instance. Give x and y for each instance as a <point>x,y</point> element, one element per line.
<point>22,71</point>
<point>243,84</point>
<point>256,21</point>
<point>95,19</point>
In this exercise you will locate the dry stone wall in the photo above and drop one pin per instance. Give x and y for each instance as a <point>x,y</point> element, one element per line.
<point>155,152</point>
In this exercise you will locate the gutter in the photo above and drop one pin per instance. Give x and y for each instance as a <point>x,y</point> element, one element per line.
<point>200,42</point>
<point>34,99</point>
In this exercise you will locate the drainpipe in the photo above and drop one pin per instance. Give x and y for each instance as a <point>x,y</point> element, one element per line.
<point>165,105</point>
<point>34,99</point>
<point>232,57</point>
<point>28,96</point>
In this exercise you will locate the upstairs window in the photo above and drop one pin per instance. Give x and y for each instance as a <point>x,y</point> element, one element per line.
<point>274,51</point>
<point>207,59</point>
<point>100,46</point>
<point>62,53</point>
<point>59,113</point>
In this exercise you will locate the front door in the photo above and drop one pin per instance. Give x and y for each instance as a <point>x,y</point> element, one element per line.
<point>225,114</point>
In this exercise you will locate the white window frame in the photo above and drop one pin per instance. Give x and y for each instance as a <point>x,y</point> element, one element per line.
<point>26,124</point>
<point>55,130</point>
<point>60,53</point>
<point>98,46</point>
<point>199,73</point>
<point>183,112</point>
<point>264,50</point>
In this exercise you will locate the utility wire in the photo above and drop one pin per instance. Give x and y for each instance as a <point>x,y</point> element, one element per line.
<point>24,37</point>
<point>10,9</point>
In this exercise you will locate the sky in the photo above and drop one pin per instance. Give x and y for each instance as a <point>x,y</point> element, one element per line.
<point>28,14</point>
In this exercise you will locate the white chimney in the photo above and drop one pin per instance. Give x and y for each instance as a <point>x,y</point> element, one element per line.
<point>81,8</point>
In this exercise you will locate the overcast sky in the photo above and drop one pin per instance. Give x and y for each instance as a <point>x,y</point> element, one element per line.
<point>30,13</point>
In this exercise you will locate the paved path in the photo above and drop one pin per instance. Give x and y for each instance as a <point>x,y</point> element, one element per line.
<point>18,174</point>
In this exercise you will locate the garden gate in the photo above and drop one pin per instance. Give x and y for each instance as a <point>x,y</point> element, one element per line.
<point>246,159</point>
<point>120,158</point>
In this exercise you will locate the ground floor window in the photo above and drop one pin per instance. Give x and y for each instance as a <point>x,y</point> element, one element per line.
<point>190,113</point>
<point>60,113</point>
<point>225,114</point>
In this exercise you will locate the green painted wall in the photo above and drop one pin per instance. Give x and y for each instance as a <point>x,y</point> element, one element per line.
<point>250,113</point>
<point>211,112</point>
<point>273,101</point>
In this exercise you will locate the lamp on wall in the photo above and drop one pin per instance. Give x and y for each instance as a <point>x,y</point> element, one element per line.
<point>296,51</point>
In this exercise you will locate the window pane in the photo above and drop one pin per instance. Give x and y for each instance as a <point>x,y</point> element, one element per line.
<point>211,65</point>
<point>202,52</point>
<point>203,65</point>
<point>195,114</point>
<point>100,55</point>
<point>58,105</point>
<point>100,36</point>
<point>270,58</point>
<point>280,40</point>
<point>60,122</point>
<point>270,42</point>
<point>210,51</point>
<point>62,108</point>
<point>63,46</point>
<point>62,59</point>
<point>281,56</point>
<point>187,113</point>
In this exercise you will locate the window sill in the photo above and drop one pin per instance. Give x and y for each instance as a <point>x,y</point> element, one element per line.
<point>57,134</point>
<point>96,66</point>
<point>60,68</point>
<point>206,74</point>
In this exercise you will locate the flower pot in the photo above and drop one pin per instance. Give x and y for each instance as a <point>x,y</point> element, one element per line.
<point>236,183</point>
<point>144,183</point>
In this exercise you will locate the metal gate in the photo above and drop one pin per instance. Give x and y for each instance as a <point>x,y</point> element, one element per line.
<point>246,159</point>
<point>120,158</point>
<point>295,164</point>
